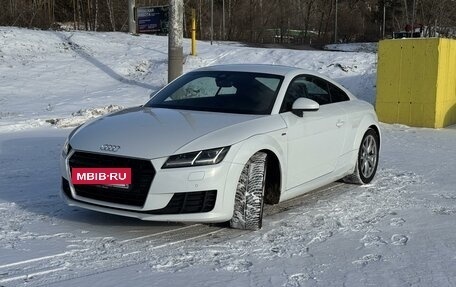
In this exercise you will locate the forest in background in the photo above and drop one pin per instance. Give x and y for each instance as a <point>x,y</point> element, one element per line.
<point>253,21</point>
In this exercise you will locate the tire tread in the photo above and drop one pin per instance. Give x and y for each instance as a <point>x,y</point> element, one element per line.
<point>248,206</point>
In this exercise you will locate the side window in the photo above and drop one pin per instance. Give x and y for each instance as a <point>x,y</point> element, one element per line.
<point>319,91</point>
<point>296,89</point>
<point>313,88</point>
<point>337,95</point>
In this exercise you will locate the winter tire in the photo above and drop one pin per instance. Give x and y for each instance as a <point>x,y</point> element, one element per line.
<point>248,205</point>
<point>367,162</point>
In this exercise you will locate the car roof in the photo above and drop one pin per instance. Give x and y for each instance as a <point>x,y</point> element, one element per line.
<point>256,68</point>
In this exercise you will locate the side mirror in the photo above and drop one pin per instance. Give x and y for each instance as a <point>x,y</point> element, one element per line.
<point>304,105</point>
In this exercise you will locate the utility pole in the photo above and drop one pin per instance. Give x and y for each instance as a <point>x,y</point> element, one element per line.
<point>131,16</point>
<point>335,23</point>
<point>175,37</point>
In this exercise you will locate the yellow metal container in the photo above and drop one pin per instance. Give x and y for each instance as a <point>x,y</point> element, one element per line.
<point>416,82</point>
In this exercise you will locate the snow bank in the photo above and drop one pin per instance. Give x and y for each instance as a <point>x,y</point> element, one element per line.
<point>49,75</point>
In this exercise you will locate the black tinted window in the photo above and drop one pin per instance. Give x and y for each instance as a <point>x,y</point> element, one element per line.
<point>337,95</point>
<point>310,87</point>
<point>320,91</point>
<point>296,89</point>
<point>220,91</point>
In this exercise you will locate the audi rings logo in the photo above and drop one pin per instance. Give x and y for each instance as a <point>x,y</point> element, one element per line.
<point>110,147</point>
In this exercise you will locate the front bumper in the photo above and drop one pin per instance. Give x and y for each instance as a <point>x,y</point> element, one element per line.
<point>215,182</point>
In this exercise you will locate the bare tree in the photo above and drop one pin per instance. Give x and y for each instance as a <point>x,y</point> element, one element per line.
<point>111,14</point>
<point>295,21</point>
<point>95,21</point>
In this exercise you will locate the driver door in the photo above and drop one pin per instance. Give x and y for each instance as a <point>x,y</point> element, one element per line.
<point>315,140</point>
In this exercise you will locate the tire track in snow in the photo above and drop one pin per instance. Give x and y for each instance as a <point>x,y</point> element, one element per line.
<point>92,259</point>
<point>98,255</point>
<point>36,259</point>
<point>307,221</point>
<point>29,269</point>
<point>31,275</point>
<point>103,254</point>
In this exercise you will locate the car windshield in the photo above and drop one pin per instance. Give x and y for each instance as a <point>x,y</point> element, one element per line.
<point>220,91</point>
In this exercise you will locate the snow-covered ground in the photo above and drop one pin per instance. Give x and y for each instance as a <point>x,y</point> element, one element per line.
<point>397,231</point>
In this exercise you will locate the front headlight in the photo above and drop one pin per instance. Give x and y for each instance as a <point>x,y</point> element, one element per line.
<point>204,157</point>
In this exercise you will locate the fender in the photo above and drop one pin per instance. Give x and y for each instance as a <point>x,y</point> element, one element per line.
<point>274,142</point>
<point>367,121</point>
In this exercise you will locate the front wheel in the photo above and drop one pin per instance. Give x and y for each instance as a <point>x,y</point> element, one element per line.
<point>366,165</point>
<point>248,205</point>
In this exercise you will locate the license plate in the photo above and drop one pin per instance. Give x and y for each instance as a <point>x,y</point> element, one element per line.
<point>111,177</point>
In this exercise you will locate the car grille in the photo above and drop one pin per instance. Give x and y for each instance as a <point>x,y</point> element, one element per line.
<point>185,202</point>
<point>142,175</point>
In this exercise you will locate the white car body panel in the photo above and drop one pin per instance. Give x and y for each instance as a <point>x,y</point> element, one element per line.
<point>164,130</point>
<point>236,133</point>
<point>311,151</point>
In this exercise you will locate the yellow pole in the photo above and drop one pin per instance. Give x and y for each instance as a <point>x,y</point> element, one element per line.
<point>193,33</point>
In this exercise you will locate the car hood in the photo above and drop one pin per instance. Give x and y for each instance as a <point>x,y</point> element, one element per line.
<point>155,132</point>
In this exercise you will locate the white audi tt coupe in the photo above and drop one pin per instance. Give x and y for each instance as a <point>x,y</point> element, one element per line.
<point>217,143</point>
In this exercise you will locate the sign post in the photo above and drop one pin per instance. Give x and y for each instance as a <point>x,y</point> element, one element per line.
<point>153,20</point>
<point>193,32</point>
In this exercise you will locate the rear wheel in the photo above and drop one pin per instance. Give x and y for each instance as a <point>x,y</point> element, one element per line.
<point>366,165</point>
<point>248,205</point>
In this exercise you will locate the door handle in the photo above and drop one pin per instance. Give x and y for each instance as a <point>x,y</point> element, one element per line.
<point>340,123</point>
